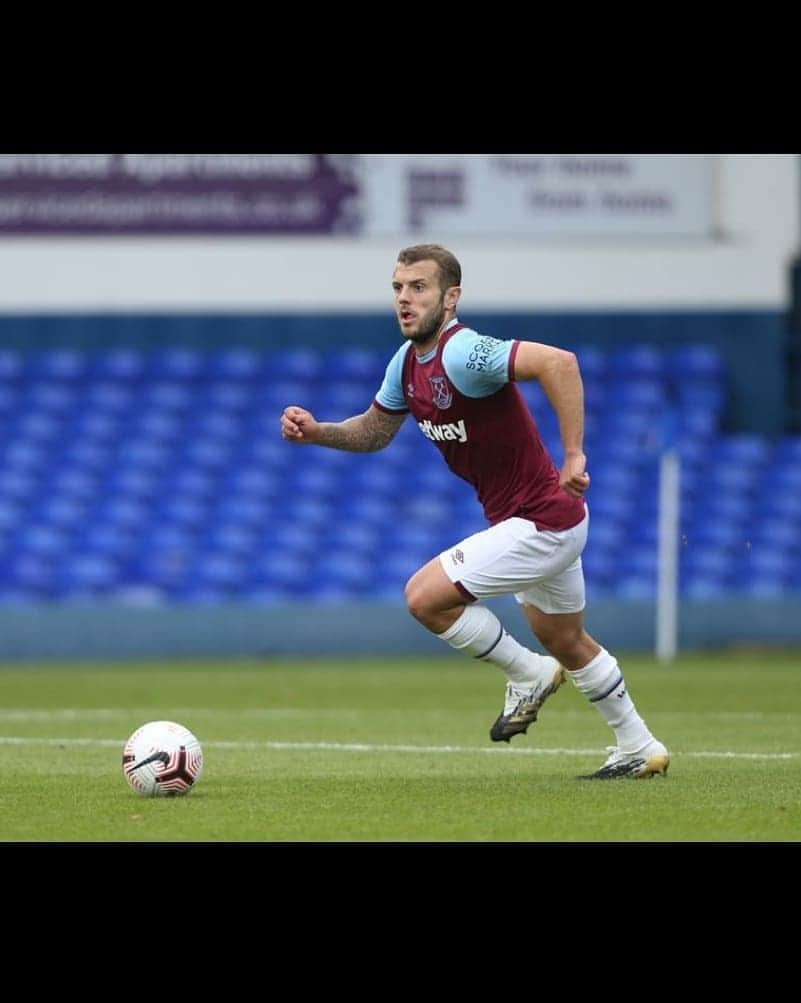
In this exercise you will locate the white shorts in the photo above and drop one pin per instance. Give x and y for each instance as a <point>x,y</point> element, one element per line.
<point>541,567</point>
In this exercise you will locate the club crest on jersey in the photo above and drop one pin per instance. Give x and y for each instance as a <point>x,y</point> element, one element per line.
<point>440,392</point>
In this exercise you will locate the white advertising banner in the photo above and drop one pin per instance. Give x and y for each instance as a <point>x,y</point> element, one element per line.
<point>534,195</point>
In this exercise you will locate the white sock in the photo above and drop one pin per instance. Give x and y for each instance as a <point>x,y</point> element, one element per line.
<point>478,632</point>
<point>601,681</point>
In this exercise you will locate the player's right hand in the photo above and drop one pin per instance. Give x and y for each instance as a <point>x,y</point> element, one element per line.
<point>299,425</point>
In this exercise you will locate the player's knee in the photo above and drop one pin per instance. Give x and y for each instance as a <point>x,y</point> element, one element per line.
<point>415,598</point>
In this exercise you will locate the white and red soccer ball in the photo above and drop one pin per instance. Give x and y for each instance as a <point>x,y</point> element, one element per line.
<point>162,759</point>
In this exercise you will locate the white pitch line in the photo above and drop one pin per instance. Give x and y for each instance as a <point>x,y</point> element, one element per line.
<point>362,747</point>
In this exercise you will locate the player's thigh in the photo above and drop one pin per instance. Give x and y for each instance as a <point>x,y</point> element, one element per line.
<point>429,588</point>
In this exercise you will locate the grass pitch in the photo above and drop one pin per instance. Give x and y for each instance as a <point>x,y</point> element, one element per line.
<point>399,751</point>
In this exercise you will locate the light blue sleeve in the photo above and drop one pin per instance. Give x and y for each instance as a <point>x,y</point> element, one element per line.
<point>476,364</point>
<point>390,393</point>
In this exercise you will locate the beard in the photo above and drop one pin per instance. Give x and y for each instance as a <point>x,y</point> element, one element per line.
<point>430,325</point>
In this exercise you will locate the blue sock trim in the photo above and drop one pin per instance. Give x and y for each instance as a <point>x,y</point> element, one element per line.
<point>489,649</point>
<point>614,686</point>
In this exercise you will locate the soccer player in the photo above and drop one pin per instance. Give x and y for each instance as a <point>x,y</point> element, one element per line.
<point>459,386</point>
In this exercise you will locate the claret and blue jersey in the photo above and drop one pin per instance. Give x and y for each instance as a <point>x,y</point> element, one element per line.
<point>463,397</point>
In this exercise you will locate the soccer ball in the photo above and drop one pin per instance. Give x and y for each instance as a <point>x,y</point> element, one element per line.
<point>162,759</point>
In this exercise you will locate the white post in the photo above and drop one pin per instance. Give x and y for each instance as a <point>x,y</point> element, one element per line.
<point>667,597</point>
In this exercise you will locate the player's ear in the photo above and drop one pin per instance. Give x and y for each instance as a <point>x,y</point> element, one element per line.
<point>452,297</point>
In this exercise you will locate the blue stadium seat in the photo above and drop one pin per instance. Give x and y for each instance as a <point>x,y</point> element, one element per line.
<point>278,393</point>
<point>182,510</point>
<point>394,572</point>
<point>123,364</point>
<point>709,397</point>
<point>12,365</point>
<point>697,422</point>
<point>231,539</point>
<point>636,423</point>
<point>94,426</point>
<point>290,541</point>
<point>164,395</point>
<point>363,509</point>
<point>106,539</point>
<point>751,450</point>
<point>601,566</point>
<point>31,573</point>
<point>595,396</point>
<point>217,426</point>
<point>86,575</point>
<point>360,365</point>
<point>593,362</point>
<point>788,451</point>
<point>22,455</point>
<point>71,483</point>
<point>67,513</point>
<point>227,396</point>
<point>639,562</point>
<point>132,482</point>
<point>703,586</point>
<point>9,399</point>
<point>17,485</point>
<point>220,571</point>
<point>636,394</point>
<point>692,362</point>
<point>636,362</point>
<point>64,364</point>
<point>302,364</point>
<point>777,532</point>
<point>280,571</point>
<point>720,507</point>
<point>707,560</point>
<point>762,586</point>
<point>771,561</point>
<point>722,533</point>
<point>109,398</point>
<point>343,400</point>
<point>236,363</point>
<point>733,479</point>
<point>243,510</point>
<point>124,513</point>
<point>341,567</point>
<point>785,506</point>
<point>34,426</point>
<point>205,454</point>
<point>47,541</point>
<point>312,482</point>
<point>175,363</point>
<point>158,427</point>
<point>360,539</point>
<point>785,478</point>
<point>636,587</point>
<point>53,398</point>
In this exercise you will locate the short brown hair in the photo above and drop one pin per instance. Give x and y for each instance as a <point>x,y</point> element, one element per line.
<point>450,271</point>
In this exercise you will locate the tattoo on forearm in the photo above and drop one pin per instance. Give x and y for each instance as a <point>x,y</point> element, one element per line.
<point>364,433</point>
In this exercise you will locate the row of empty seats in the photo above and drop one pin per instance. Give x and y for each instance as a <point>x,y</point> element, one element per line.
<point>161,477</point>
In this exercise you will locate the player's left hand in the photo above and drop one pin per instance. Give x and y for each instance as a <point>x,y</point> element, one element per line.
<point>573,477</point>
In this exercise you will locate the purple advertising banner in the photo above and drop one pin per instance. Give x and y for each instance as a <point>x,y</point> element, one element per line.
<point>176,193</point>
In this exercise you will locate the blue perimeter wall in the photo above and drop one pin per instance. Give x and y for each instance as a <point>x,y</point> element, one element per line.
<point>753,344</point>
<point>106,633</point>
